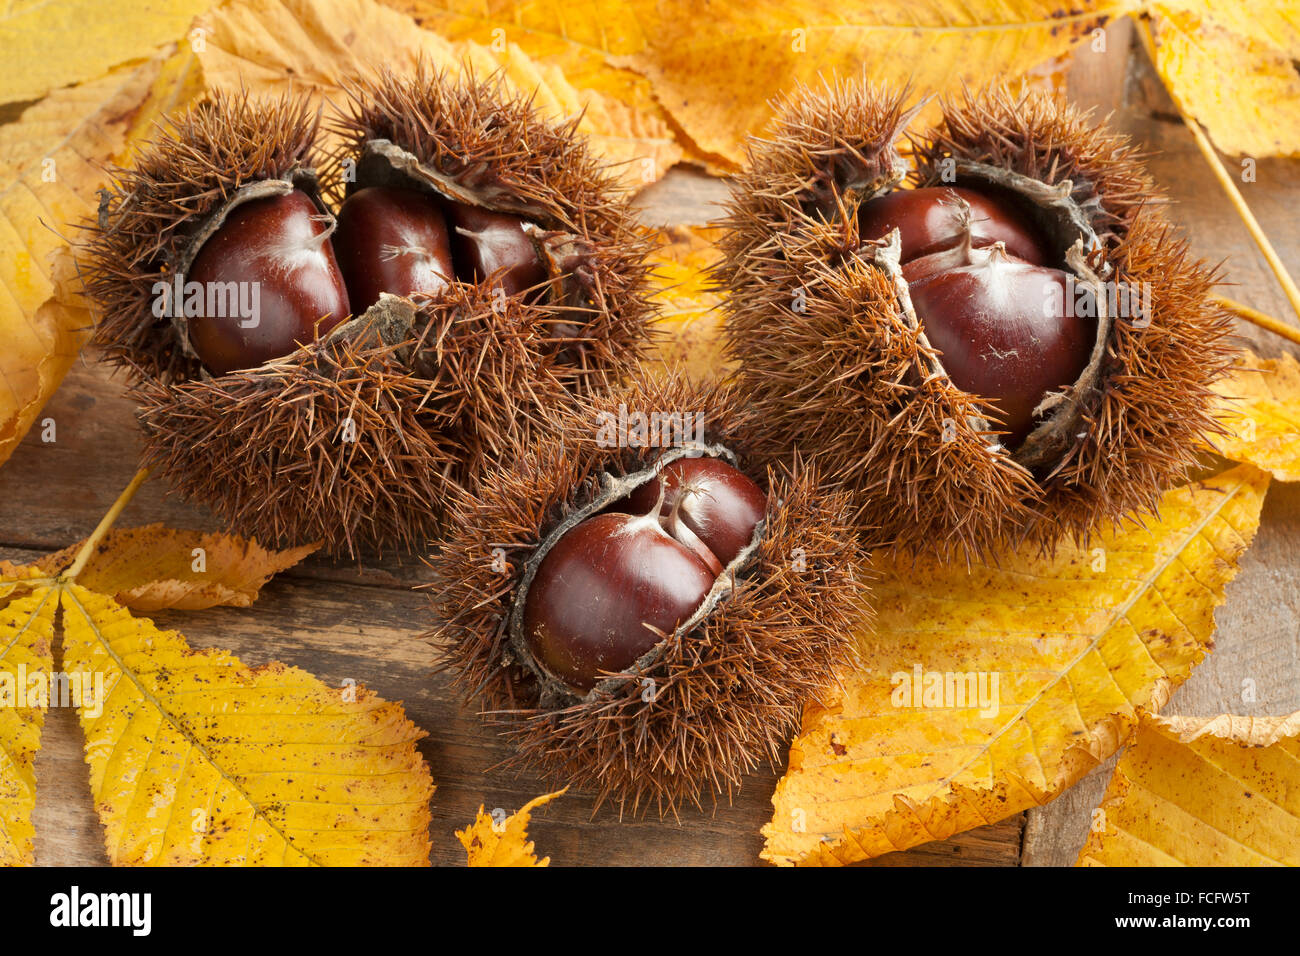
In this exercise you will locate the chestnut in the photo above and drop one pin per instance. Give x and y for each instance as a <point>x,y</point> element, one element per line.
<point>391,239</point>
<point>278,248</point>
<point>609,590</point>
<point>1003,327</point>
<point>716,503</point>
<point>487,245</point>
<point>613,586</point>
<point>934,218</point>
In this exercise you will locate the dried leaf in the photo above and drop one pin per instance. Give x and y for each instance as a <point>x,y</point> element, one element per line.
<point>272,45</point>
<point>1067,648</point>
<point>1232,67</point>
<point>581,46</point>
<point>503,841</point>
<point>717,76</point>
<point>196,758</point>
<point>1223,791</point>
<point>179,81</point>
<point>53,45</point>
<point>713,72</point>
<point>155,567</point>
<point>689,316</point>
<point>18,579</point>
<point>1262,415</point>
<point>51,158</point>
<point>26,639</point>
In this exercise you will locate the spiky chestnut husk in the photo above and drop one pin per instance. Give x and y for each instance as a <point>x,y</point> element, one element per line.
<point>475,141</point>
<point>261,447</point>
<point>849,376</point>
<point>155,213</point>
<point>727,694</point>
<point>356,440</point>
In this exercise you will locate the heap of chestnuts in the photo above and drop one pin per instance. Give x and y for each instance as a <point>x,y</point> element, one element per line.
<point>1004,343</point>
<point>647,619</point>
<point>324,346</point>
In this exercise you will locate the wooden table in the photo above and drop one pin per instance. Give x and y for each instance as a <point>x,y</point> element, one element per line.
<point>342,621</point>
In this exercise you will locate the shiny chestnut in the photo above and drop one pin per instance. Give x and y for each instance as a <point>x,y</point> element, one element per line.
<point>935,218</point>
<point>394,240</point>
<point>492,246</point>
<point>717,503</point>
<point>1003,327</point>
<point>607,592</point>
<point>614,585</point>
<point>275,255</point>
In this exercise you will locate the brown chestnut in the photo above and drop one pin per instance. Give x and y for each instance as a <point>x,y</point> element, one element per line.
<point>933,218</point>
<point>713,500</point>
<point>608,591</point>
<point>272,257</point>
<point>391,239</point>
<point>1004,328</point>
<point>492,246</point>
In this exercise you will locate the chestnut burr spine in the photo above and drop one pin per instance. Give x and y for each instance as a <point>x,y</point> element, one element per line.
<point>470,380</point>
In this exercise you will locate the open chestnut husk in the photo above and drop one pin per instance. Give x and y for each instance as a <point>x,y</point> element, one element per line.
<point>612,639</point>
<point>376,371</point>
<point>1003,342</point>
<point>528,211</point>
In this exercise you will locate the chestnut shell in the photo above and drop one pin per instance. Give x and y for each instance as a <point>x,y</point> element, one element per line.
<point>718,696</point>
<point>831,359</point>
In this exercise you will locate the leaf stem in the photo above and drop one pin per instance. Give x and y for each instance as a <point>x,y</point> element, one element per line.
<point>105,523</point>
<point>1234,196</point>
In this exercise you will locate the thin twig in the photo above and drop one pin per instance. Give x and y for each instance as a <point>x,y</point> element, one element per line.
<point>1258,318</point>
<point>105,523</point>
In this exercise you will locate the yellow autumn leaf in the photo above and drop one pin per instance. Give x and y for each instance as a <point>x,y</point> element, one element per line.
<point>1189,791</point>
<point>52,157</point>
<point>988,691</point>
<point>178,81</point>
<point>581,45</point>
<point>503,841</point>
<point>196,758</point>
<point>155,567</point>
<point>26,639</point>
<point>269,46</point>
<point>1261,412</point>
<point>714,70</point>
<point>1231,66</point>
<point>717,75</point>
<point>689,318</point>
<point>52,45</point>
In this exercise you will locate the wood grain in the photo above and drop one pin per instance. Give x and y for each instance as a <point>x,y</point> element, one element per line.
<point>363,621</point>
